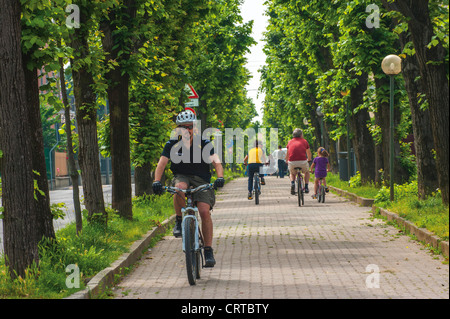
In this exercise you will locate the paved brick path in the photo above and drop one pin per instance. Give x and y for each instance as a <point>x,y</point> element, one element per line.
<point>279,250</point>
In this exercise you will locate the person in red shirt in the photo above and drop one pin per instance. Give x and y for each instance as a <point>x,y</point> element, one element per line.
<point>298,155</point>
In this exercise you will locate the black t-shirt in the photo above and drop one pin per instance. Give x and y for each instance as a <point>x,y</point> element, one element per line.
<point>189,161</point>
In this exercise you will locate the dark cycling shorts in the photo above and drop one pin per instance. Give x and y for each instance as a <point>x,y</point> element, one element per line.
<point>206,196</point>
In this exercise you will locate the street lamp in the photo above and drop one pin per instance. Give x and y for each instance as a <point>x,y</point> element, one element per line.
<point>391,65</point>
<point>347,116</point>
<point>305,121</point>
<point>320,115</point>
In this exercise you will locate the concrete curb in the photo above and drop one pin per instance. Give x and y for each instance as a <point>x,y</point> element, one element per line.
<point>366,202</point>
<point>106,277</point>
<point>422,234</point>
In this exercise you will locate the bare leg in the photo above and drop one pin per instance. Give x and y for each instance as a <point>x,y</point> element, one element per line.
<point>207,224</point>
<point>179,200</point>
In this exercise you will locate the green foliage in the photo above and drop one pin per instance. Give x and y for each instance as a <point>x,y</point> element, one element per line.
<point>430,213</point>
<point>315,51</point>
<point>355,180</point>
<point>216,66</point>
<point>58,210</point>
<point>92,251</point>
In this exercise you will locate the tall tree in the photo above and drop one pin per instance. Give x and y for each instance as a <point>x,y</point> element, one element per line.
<point>73,172</point>
<point>432,59</point>
<point>35,33</point>
<point>118,29</point>
<point>427,175</point>
<point>216,68</point>
<point>19,216</point>
<point>86,114</point>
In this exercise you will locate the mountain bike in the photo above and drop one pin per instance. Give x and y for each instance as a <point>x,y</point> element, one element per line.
<point>300,186</point>
<point>321,191</point>
<point>191,234</point>
<point>256,187</point>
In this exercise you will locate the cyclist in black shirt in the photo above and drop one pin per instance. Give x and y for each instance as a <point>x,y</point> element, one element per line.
<point>190,163</point>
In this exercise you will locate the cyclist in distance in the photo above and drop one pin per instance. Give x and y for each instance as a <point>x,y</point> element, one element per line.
<point>191,168</point>
<point>321,166</point>
<point>255,159</point>
<point>298,155</point>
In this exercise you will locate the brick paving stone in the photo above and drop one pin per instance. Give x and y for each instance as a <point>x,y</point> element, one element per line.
<point>277,250</point>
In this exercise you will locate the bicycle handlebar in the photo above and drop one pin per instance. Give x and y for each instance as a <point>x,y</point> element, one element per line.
<point>174,190</point>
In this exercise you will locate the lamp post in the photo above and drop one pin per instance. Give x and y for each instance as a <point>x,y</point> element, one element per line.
<point>305,121</point>
<point>391,65</point>
<point>320,115</point>
<point>347,116</point>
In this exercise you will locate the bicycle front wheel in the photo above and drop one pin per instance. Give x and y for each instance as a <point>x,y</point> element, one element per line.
<point>192,256</point>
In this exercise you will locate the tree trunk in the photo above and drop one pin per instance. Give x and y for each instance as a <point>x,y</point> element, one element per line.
<point>86,115</point>
<point>143,178</point>
<point>120,144</point>
<point>44,226</point>
<point>118,93</point>
<point>427,174</point>
<point>433,72</point>
<point>363,143</point>
<point>73,172</point>
<point>19,216</point>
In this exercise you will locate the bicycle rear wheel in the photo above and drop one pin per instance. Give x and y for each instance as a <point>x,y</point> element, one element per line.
<point>322,190</point>
<point>302,192</point>
<point>192,256</point>
<point>319,193</point>
<point>256,188</point>
<point>299,191</point>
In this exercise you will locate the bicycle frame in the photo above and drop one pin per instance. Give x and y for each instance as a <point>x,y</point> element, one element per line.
<point>321,191</point>
<point>190,212</point>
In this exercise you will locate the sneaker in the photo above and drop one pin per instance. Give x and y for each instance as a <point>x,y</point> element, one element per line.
<point>306,189</point>
<point>209,257</point>
<point>314,196</point>
<point>263,182</point>
<point>250,195</point>
<point>177,228</point>
<point>292,189</point>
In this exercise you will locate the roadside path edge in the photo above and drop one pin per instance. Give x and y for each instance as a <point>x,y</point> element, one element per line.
<point>106,277</point>
<point>423,235</point>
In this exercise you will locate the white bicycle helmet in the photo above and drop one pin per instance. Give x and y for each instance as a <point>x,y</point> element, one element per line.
<point>186,117</point>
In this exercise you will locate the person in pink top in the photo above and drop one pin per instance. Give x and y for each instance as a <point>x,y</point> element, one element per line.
<point>298,155</point>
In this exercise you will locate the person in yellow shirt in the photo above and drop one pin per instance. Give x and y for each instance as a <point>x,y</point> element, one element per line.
<point>255,160</point>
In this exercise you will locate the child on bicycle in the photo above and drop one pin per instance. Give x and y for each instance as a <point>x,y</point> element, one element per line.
<point>321,165</point>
